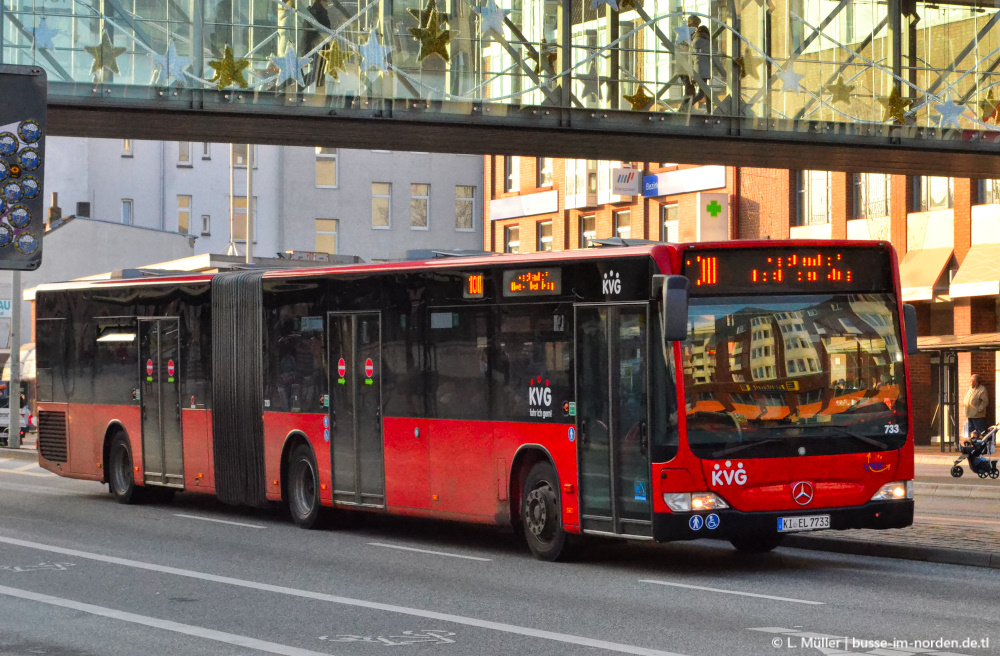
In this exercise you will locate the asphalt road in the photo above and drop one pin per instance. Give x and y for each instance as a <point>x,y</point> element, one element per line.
<point>82,575</point>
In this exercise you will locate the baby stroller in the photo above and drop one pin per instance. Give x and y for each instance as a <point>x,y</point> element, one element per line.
<point>976,449</point>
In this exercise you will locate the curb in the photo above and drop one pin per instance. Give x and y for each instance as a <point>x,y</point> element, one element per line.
<point>887,550</point>
<point>957,491</point>
<point>20,454</point>
<point>935,460</point>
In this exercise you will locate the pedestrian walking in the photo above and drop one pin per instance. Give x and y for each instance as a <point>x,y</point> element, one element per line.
<point>701,47</point>
<point>311,38</point>
<point>976,401</point>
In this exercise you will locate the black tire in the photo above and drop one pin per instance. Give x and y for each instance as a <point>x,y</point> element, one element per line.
<point>957,471</point>
<point>983,474</point>
<point>756,542</point>
<point>120,478</point>
<point>303,489</point>
<point>541,513</point>
<point>995,473</point>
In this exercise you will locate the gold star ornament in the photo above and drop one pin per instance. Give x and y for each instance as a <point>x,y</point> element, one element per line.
<point>105,55</point>
<point>840,92</point>
<point>432,37</point>
<point>336,60</point>
<point>229,71</point>
<point>989,108</point>
<point>748,64</point>
<point>895,106</point>
<point>549,57</point>
<point>640,100</point>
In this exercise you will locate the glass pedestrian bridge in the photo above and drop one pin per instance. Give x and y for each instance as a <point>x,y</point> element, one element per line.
<point>745,81</point>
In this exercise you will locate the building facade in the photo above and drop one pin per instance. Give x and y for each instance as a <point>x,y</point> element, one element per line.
<point>946,232</point>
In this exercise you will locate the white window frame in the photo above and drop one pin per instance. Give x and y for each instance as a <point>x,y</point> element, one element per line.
<point>867,189</point>
<point>618,228</point>
<point>128,217</point>
<point>427,201</point>
<point>583,234</point>
<point>127,148</point>
<point>239,217</point>
<point>511,174</point>
<point>507,243</point>
<point>326,157</point>
<point>206,225</point>
<point>667,225</point>
<point>184,154</point>
<point>181,209</point>
<point>471,201</point>
<point>206,150</point>
<point>543,239</point>
<point>251,154</point>
<point>388,197</point>
<point>545,172</point>
<point>335,233</point>
<point>810,185</point>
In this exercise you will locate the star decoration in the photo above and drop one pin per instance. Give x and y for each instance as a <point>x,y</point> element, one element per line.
<point>591,83</point>
<point>105,56</point>
<point>170,66</point>
<point>423,16</point>
<point>895,106</point>
<point>684,33</point>
<point>790,79</point>
<point>748,64</point>
<point>989,108</point>
<point>374,53</point>
<point>597,4</point>
<point>549,57</point>
<point>290,66</point>
<point>640,100</point>
<point>229,71</point>
<point>335,60</point>
<point>42,35</point>
<point>491,19</point>
<point>950,112</point>
<point>627,5</point>
<point>433,39</point>
<point>839,92</point>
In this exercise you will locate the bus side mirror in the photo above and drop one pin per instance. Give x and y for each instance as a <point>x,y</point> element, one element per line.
<point>910,326</point>
<point>673,292</point>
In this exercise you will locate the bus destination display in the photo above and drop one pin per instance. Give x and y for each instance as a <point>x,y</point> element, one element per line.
<point>532,282</point>
<point>726,271</point>
<point>473,287</point>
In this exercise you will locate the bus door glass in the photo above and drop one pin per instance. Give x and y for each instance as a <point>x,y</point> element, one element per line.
<point>612,344</point>
<point>159,373</point>
<point>356,408</point>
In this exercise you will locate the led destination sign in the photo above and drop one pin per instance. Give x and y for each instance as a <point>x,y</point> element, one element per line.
<point>725,271</point>
<point>532,282</point>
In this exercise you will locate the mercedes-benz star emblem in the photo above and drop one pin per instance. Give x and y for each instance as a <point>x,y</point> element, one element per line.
<point>802,493</point>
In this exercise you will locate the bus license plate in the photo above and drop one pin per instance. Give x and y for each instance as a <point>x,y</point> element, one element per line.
<point>808,523</point>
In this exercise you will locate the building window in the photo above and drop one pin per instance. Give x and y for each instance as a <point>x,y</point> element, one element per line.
<point>588,230</point>
<point>544,165</point>
<point>239,221</point>
<point>381,204</point>
<point>989,192</point>
<point>465,207</point>
<point>933,193</point>
<point>206,150</point>
<point>83,209</point>
<point>623,224</point>
<point>545,236</point>
<point>127,217</point>
<point>240,156</point>
<point>184,215</point>
<point>813,198</point>
<point>871,195</point>
<point>670,230</point>
<point>326,236</point>
<point>126,148</point>
<point>512,239</point>
<point>206,225</point>
<point>326,168</point>
<point>420,200</point>
<point>511,173</point>
<point>183,153</point>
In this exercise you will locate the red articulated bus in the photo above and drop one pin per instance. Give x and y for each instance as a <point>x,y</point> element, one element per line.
<point>738,390</point>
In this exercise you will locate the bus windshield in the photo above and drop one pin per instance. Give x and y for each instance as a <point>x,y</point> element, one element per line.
<point>810,374</point>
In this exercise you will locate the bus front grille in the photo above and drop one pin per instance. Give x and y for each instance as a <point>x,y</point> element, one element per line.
<point>52,435</point>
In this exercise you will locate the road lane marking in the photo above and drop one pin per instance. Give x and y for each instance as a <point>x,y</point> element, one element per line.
<point>24,470</point>
<point>734,592</point>
<point>428,551</point>
<point>37,489</point>
<point>166,625</point>
<point>218,521</point>
<point>957,520</point>
<point>347,601</point>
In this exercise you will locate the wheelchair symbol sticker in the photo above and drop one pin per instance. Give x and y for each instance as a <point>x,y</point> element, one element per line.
<point>695,523</point>
<point>712,522</point>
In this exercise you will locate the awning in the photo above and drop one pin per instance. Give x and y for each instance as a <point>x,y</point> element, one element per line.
<point>977,342</point>
<point>979,274</point>
<point>920,272</point>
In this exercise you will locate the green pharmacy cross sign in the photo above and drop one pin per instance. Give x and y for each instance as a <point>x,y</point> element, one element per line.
<point>713,208</point>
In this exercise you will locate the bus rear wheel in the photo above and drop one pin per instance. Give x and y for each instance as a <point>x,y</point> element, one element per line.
<point>120,478</point>
<point>541,514</point>
<point>756,542</point>
<point>303,489</point>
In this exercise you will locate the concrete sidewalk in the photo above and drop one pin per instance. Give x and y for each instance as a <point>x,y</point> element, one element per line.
<point>28,450</point>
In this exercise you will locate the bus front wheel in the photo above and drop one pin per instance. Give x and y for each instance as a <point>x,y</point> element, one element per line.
<point>303,488</point>
<point>541,515</point>
<point>120,478</point>
<point>756,542</point>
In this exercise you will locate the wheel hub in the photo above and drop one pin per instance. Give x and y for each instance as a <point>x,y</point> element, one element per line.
<point>538,512</point>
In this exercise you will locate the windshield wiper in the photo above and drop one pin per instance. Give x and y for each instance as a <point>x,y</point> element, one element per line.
<point>745,446</point>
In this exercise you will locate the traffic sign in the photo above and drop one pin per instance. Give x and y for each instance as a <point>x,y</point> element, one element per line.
<point>342,368</point>
<point>369,368</point>
<point>22,166</point>
<point>170,367</point>
<point>149,367</point>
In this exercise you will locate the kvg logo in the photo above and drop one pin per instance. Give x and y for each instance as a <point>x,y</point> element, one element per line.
<point>729,476</point>
<point>611,283</point>
<point>539,398</point>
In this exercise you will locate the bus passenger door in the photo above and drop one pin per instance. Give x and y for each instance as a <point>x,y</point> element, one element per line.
<point>612,345</point>
<point>355,348</point>
<point>159,373</point>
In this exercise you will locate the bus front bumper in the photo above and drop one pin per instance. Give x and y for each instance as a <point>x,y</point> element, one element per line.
<point>668,527</point>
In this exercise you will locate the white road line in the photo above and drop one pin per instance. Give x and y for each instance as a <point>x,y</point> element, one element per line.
<point>166,625</point>
<point>427,551</point>
<point>218,521</point>
<point>347,601</point>
<point>38,489</point>
<point>30,465</point>
<point>956,520</point>
<point>733,592</point>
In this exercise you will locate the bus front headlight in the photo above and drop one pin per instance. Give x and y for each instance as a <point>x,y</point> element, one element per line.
<point>894,491</point>
<point>693,501</point>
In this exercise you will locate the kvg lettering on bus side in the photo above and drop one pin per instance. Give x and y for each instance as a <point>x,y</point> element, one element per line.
<point>539,399</point>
